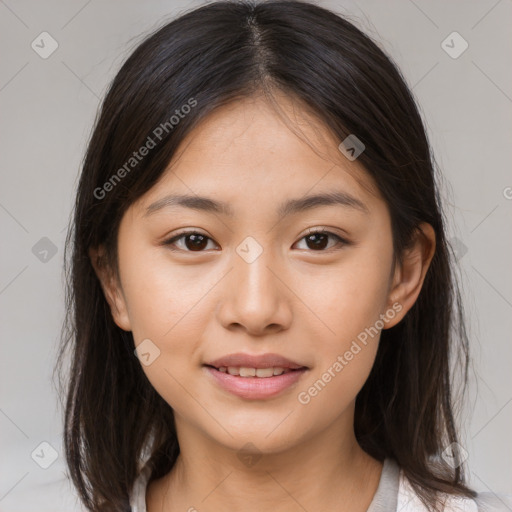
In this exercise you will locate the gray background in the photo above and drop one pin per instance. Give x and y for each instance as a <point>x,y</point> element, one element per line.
<point>48,107</point>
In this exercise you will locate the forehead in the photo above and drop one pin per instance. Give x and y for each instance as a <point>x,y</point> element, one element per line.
<point>248,149</point>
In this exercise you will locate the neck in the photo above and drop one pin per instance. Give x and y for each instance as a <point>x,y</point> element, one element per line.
<point>319,474</point>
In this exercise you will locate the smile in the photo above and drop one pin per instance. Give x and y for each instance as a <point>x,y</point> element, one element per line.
<point>254,383</point>
<point>244,371</point>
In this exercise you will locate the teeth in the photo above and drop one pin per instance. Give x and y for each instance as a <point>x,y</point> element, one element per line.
<point>247,372</point>
<point>264,372</point>
<point>253,372</point>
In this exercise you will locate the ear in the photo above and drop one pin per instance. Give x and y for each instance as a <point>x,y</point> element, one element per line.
<point>111,288</point>
<point>409,275</point>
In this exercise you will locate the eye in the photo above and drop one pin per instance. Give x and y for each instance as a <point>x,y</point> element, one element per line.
<point>317,239</point>
<point>193,241</point>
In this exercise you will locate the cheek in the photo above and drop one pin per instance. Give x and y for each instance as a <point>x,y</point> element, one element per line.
<point>348,306</point>
<point>162,296</point>
<point>168,305</point>
<point>348,298</point>
<point>345,356</point>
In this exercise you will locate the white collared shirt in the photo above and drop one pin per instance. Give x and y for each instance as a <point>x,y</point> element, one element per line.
<point>394,494</point>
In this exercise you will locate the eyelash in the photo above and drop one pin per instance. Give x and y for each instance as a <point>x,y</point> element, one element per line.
<point>183,234</point>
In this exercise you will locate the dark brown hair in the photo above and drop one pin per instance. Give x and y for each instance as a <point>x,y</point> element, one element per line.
<point>217,54</point>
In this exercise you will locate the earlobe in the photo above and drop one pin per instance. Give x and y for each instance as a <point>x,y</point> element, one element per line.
<point>409,275</point>
<point>111,288</point>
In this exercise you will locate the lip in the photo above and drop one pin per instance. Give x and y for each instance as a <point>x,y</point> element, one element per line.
<point>255,388</point>
<point>256,361</point>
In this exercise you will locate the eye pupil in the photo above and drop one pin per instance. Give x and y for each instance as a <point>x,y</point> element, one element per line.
<point>199,241</point>
<point>316,243</point>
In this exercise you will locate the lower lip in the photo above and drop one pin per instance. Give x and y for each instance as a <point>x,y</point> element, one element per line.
<point>255,388</point>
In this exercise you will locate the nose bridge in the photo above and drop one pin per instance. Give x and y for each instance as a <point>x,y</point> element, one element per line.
<point>255,297</point>
<point>252,262</point>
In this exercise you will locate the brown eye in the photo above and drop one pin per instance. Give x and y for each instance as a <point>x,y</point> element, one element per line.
<point>318,240</point>
<point>192,241</point>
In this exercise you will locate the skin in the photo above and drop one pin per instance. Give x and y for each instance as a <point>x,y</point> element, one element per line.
<point>304,303</point>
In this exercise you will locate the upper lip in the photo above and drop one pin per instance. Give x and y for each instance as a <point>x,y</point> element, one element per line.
<point>257,361</point>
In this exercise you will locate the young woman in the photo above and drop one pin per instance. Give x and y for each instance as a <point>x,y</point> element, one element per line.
<point>262,308</point>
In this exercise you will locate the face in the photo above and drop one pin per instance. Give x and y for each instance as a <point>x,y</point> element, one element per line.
<point>313,284</point>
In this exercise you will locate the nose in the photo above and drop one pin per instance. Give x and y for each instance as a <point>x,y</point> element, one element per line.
<point>256,297</point>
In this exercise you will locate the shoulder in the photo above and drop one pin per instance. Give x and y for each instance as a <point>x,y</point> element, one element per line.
<point>409,501</point>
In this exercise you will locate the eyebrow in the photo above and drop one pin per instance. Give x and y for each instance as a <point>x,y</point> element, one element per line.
<point>289,207</point>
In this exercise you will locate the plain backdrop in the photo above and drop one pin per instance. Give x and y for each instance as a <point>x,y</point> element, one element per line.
<point>48,106</point>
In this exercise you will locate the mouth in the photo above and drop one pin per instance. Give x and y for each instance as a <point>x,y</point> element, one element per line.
<point>255,383</point>
<point>259,373</point>
<point>247,362</point>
